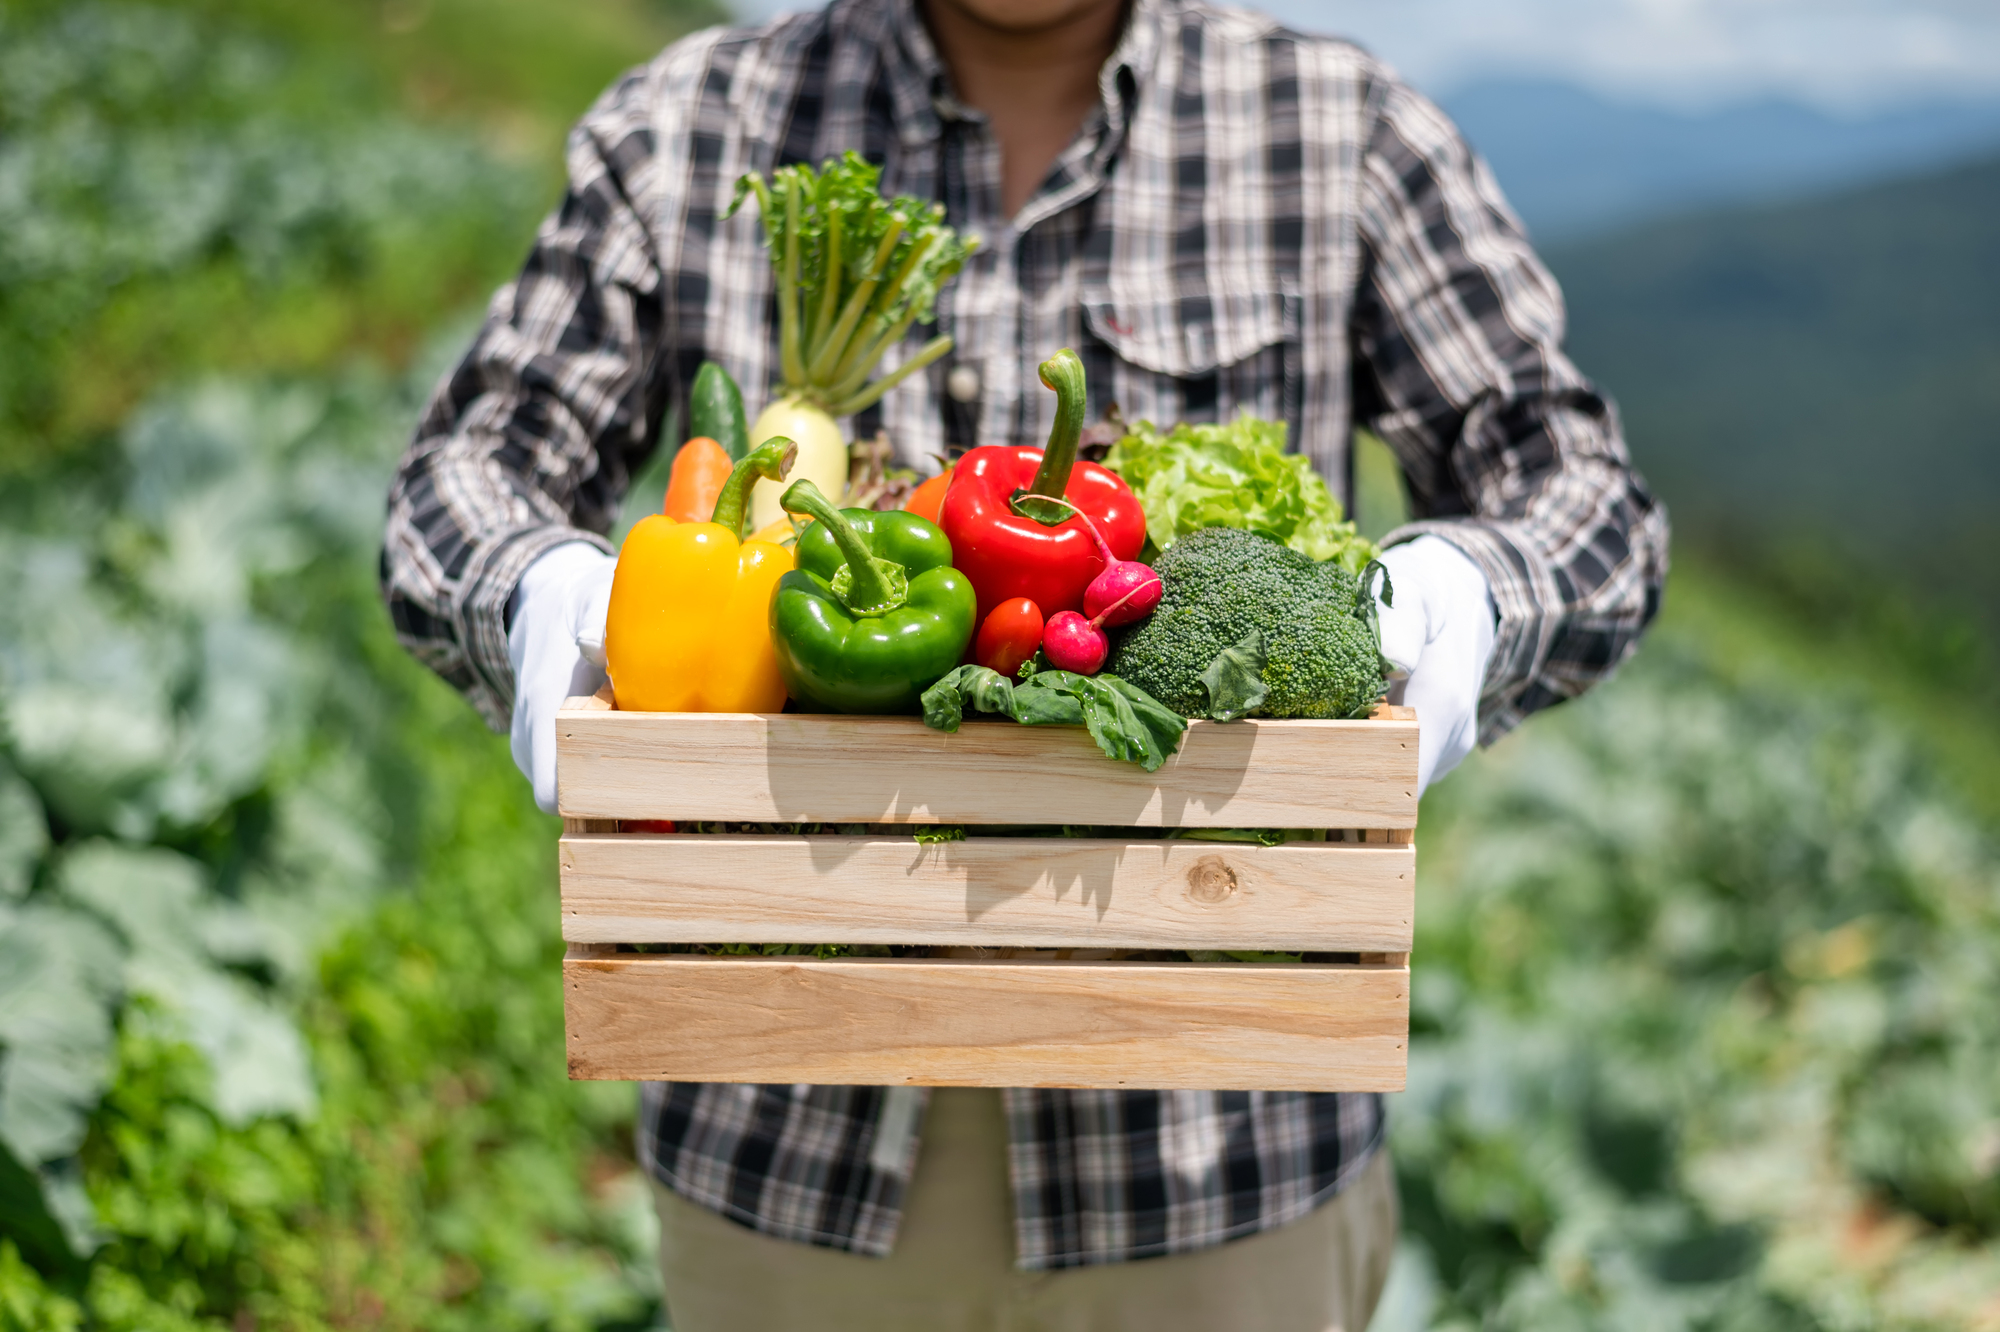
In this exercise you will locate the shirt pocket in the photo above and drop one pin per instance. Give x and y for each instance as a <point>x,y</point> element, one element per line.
<point>1195,358</point>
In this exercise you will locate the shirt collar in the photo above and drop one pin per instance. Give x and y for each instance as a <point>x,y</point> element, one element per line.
<point>921,90</point>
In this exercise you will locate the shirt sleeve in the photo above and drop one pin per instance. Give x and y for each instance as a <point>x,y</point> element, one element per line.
<point>1510,453</point>
<point>531,441</point>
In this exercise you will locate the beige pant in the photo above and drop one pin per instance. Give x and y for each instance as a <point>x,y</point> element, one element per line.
<point>953,1265</point>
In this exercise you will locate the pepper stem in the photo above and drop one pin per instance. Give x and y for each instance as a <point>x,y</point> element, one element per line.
<point>1062,372</point>
<point>1061,511</point>
<point>770,461</point>
<point>870,586</point>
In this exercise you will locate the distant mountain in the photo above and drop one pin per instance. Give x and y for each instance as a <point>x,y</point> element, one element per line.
<point>1830,365</point>
<point>1573,163</point>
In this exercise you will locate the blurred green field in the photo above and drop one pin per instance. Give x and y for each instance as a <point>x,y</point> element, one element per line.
<point>1706,1020</point>
<point>1823,369</point>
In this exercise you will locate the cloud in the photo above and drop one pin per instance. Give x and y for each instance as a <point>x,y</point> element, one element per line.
<point>1841,54</point>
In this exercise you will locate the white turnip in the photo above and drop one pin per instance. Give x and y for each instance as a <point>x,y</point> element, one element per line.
<point>822,454</point>
<point>854,272</point>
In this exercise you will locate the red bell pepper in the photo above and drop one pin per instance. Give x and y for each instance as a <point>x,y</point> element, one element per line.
<point>1009,545</point>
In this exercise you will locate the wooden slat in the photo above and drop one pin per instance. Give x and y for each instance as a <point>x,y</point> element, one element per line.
<point>988,891</point>
<point>987,1024</point>
<point>783,767</point>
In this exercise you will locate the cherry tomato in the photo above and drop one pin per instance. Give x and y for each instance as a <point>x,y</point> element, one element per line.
<point>646,825</point>
<point>1011,633</point>
<point>928,498</point>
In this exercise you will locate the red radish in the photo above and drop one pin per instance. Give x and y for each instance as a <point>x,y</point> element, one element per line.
<point>1110,596</point>
<point>1009,636</point>
<point>1076,644</point>
<point>1126,591</point>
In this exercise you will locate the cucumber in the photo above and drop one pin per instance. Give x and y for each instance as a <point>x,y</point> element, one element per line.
<point>715,409</point>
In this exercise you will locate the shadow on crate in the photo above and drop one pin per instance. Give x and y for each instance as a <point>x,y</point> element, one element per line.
<point>997,765</point>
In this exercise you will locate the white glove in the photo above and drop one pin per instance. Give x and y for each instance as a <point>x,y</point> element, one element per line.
<point>556,647</point>
<point>1440,632</point>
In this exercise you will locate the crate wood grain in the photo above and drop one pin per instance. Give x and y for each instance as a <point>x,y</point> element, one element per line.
<point>985,1022</point>
<point>988,891</point>
<point>786,767</point>
<point>955,1023</point>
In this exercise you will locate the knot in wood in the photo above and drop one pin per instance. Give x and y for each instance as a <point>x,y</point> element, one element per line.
<point>1211,880</point>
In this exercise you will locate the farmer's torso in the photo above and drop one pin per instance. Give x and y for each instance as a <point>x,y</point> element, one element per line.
<point>1196,244</point>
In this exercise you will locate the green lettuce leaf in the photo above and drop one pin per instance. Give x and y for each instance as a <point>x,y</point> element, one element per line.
<point>1235,475</point>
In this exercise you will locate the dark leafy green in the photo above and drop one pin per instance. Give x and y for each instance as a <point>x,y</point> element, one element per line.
<point>1235,679</point>
<point>1126,722</point>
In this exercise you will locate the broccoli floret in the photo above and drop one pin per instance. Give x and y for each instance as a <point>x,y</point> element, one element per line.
<point>1221,585</point>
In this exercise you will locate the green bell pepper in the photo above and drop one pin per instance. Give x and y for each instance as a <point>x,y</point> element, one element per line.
<point>874,614</point>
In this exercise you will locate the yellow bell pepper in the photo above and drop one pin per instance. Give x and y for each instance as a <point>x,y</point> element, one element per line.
<point>689,626</point>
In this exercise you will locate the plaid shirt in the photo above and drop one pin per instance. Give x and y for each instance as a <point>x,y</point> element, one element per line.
<point>1252,220</point>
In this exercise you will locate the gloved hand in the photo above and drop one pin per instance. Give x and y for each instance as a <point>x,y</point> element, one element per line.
<point>555,642</point>
<point>1440,632</point>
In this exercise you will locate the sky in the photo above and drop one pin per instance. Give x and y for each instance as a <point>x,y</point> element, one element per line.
<point>1850,56</point>
<point>1854,56</point>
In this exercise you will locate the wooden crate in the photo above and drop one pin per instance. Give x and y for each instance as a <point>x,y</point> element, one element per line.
<point>1025,996</point>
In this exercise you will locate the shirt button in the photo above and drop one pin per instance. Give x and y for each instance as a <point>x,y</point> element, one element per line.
<point>963,383</point>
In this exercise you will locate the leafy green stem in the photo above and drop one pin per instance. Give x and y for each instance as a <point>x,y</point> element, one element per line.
<point>879,332</point>
<point>854,271</point>
<point>833,344</point>
<point>829,299</point>
<point>790,357</point>
<point>867,397</point>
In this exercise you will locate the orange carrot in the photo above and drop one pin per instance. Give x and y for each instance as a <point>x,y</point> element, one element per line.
<point>700,468</point>
<point>928,498</point>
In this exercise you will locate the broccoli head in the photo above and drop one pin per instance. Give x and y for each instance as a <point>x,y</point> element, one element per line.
<point>1223,586</point>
